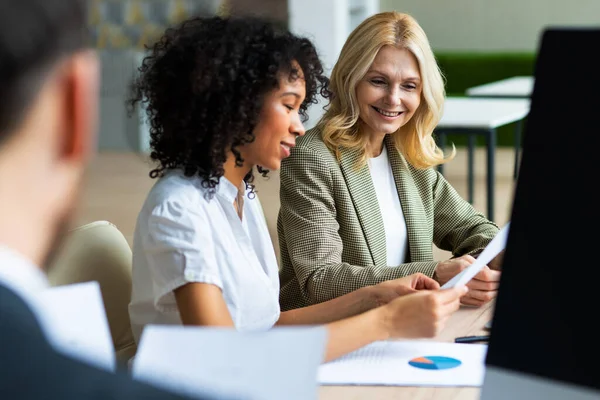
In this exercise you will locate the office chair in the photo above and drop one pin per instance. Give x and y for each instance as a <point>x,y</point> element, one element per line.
<point>98,251</point>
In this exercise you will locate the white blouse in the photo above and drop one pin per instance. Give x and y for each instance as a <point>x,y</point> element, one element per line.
<point>396,234</point>
<point>183,236</point>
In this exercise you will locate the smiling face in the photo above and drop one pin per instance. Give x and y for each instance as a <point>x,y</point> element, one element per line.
<point>279,124</point>
<point>390,92</point>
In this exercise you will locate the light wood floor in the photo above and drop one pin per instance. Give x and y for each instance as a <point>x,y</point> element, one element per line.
<point>117,184</point>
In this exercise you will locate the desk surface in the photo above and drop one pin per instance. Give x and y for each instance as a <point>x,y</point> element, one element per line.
<point>466,321</point>
<point>482,113</point>
<point>517,86</point>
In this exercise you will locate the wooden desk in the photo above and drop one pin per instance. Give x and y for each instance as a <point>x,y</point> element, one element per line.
<point>466,321</point>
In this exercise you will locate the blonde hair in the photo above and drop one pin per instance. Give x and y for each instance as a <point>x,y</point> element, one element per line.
<point>339,126</point>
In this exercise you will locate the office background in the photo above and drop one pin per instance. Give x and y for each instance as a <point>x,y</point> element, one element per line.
<point>493,25</point>
<point>476,41</point>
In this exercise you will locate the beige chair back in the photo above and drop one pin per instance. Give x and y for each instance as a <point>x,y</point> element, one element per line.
<point>98,251</point>
<point>268,192</point>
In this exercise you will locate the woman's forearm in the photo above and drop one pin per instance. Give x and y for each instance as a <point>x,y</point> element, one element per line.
<point>353,333</point>
<point>349,305</point>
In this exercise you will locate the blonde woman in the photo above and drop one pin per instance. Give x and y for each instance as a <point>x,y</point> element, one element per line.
<point>361,201</point>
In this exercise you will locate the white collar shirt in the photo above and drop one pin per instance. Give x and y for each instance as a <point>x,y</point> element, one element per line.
<point>184,236</point>
<point>22,276</point>
<point>28,281</point>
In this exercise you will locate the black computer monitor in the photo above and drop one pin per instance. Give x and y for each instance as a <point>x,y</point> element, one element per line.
<point>544,343</point>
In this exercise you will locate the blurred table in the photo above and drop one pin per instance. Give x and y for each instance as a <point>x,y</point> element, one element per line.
<point>515,87</point>
<point>466,321</point>
<point>473,116</point>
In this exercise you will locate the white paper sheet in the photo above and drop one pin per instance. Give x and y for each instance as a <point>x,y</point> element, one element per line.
<point>76,325</point>
<point>281,363</point>
<point>386,363</point>
<point>497,244</point>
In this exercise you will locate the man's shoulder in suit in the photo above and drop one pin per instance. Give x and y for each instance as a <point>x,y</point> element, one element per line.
<point>31,369</point>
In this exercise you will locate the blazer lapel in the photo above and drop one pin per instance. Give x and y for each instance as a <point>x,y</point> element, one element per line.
<point>412,206</point>
<point>362,192</point>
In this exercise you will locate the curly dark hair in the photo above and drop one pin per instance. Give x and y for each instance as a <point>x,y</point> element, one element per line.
<point>203,85</point>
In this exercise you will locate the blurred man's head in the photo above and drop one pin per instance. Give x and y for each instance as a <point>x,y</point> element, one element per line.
<point>48,111</point>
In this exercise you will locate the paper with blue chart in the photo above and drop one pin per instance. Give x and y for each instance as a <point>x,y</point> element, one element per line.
<point>497,244</point>
<point>408,363</point>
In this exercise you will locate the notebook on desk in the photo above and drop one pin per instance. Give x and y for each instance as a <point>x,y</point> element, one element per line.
<point>542,343</point>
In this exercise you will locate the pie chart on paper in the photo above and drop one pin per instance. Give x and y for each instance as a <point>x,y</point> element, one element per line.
<point>434,362</point>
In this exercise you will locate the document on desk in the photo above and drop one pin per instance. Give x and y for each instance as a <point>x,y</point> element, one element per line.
<point>281,363</point>
<point>408,363</point>
<point>497,244</point>
<point>75,322</point>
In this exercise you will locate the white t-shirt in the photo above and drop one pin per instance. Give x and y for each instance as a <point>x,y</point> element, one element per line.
<point>396,235</point>
<point>183,236</point>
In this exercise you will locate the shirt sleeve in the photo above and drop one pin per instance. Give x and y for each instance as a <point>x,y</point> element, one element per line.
<point>458,227</point>
<point>179,250</point>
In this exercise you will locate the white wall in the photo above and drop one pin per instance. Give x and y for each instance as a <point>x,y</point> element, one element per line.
<point>327,23</point>
<point>493,25</point>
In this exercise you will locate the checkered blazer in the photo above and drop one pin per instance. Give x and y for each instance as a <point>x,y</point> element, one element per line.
<point>330,227</point>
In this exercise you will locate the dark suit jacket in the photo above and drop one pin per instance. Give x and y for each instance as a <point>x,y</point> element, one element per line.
<point>31,369</point>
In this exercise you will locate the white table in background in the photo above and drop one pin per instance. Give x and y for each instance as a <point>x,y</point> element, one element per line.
<point>473,116</point>
<point>515,87</point>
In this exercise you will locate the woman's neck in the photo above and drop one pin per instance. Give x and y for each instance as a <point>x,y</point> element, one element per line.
<point>375,146</point>
<point>374,142</point>
<point>233,173</point>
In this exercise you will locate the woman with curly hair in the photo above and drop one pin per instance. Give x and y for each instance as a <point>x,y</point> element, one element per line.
<point>226,95</point>
<point>361,201</point>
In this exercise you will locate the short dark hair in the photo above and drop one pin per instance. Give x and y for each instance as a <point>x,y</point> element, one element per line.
<point>33,35</point>
<point>203,85</point>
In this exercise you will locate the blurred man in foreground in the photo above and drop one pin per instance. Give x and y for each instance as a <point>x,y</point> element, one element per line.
<point>48,107</point>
